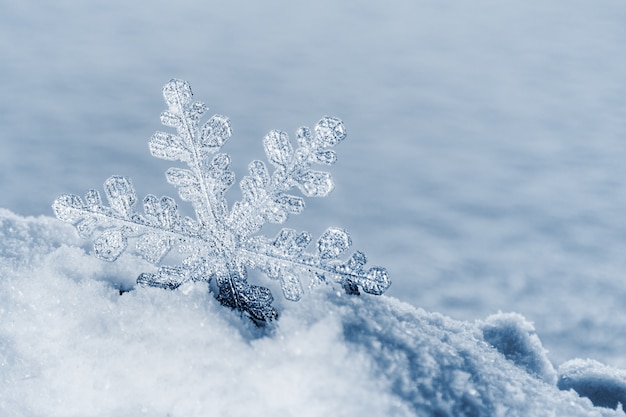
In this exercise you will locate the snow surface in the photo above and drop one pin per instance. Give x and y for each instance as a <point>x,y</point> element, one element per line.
<point>72,345</point>
<point>605,386</point>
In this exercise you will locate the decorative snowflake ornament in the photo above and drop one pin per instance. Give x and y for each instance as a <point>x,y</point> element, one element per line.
<point>221,244</point>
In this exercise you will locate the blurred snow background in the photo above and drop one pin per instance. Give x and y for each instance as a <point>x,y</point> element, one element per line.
<point>485,160</point>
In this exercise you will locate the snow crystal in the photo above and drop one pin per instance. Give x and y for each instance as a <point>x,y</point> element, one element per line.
<point>221,243</point>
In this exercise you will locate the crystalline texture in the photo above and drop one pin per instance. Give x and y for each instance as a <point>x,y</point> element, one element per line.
<point>220,244</point>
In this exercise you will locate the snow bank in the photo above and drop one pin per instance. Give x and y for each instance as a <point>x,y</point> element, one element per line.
<point>516,339</point>
<point>73,344</point>
<point>603,385</point>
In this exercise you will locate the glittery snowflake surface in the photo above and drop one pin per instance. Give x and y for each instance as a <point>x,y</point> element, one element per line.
<point>222,243</point>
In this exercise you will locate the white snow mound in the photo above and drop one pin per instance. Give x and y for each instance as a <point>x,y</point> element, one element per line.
<point>603,385</point>
<point>73,344</point>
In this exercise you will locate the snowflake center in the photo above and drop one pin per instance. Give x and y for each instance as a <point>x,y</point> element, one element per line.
<point>226,244</point>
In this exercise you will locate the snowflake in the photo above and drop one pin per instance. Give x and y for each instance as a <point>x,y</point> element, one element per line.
<point>221,244</point>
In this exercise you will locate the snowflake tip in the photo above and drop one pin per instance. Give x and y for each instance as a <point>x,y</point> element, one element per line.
<point>216,132</point>
<point>316,184</point>
<point>330,131</point>
<point>377,281</point>
<point>167,146</point>
<point>110,245</point>
<point>67,208</point>
<point>278,148</point>
<point>333,243</point>
<point>177,94</point>
<point>291,286</point>
<point>121,194</point>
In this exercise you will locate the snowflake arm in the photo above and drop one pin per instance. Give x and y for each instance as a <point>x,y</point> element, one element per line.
<point>221,243</point>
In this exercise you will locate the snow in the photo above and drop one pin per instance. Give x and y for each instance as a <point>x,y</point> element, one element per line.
<point>491,135</point>
<point>73,345</point>
<point>513,336</point>
<point>603,385</point>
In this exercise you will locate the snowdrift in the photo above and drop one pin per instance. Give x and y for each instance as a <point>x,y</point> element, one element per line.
<point>77,340</point>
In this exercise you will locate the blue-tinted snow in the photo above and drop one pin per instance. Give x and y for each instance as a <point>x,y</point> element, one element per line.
<point>484,164</point>
<point>72,345</point>
<point>513,336</point>
<point>603,385</point>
